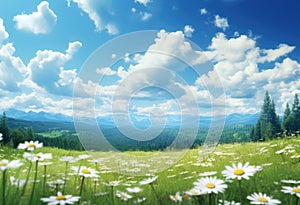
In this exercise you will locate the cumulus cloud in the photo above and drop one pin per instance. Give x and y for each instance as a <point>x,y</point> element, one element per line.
<point>105,71</point>
<point>188,30</point>
<point>41,21</point>
<point>145,16</point>
<point>46,69</point>
<point>89,7</point>
<point>144,2</point>
<point>221,22</point>
<point>270,55</point>
<point>12,69</point>
<point>3,34</point>
<point>203,11</point>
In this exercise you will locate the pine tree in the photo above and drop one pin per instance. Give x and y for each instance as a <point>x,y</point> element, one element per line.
<point>4,129</point>
<point>288,123</point>
<point>17,137</point>
<point>296,113</point>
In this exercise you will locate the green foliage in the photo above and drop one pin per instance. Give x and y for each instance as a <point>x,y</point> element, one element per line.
<point>4,129</point>
<point>17,136</point>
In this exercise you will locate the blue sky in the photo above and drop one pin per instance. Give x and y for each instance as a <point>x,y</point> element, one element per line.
<point>250,47</point>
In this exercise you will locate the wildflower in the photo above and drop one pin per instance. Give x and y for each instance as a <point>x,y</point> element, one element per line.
<point>123,195</point>
<point>291,190</point>
<point>112,183</point>
<point>134,190</point>
<point>68,159</point>
<point>61,199</point>
<point>139,200</point>
<point>290,181</point>
<point>5,164</point>
<point>207,174</point>
<point>228,203</point>
<point>30,146</point>
<point>83,156</point>
<point>17,182</point>
<point>239,171</point>
<point>86,172</point>
<point>37,157</point>
<point>262,199</point>
<point>177,197</point>
<point>148,180</point>
<point>211,185</point>
<point>195,192</point>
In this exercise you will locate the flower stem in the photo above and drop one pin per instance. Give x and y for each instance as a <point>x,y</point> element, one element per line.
<point>65,179</point>
<point>240,190</point>
<point>297,200</point>
<point>209,199</point>
<point>34,181</point>
<point>155,193</point>
<point>81,188</point>
<point>45,178</point>
<point>112,195</point>
<point>3,186</point>
<point>27,179</point>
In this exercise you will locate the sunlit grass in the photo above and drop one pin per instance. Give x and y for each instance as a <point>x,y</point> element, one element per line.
<point>178,178</point>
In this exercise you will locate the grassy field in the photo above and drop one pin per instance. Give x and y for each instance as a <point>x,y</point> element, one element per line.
<point>272,161</point>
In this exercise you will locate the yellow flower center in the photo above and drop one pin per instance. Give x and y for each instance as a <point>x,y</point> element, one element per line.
<point>239,172</point>
<point>31,145</point>
<point>59,198</point>
<point>186,196</point>
<point>262,199</point>
<point>296,190</point>
<point>210,185</point>
<point>86,171</point>
<point>112,183</point>
<point>3,164</point>
<point>38,156</point>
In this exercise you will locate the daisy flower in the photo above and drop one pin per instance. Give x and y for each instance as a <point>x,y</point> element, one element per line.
<point>239,171</point>
<point>68,159</point>
<point>177,197</point>
<point>17,182</point>
<point>207,174</point>
<point>83,156</point>
<point>290,181</point>
<point>5,164</point>
<point>85,172</point>
<point>123,195</point>
<point>134,190</point>
<point>228,203</point>
<point>259,198</point>
<point>211,185</point>
<point>30,146</point>
<point>148,180</point>
<point>112,183</point>
<point>37,157</point>
<point>61,199</point>
<point>291,190</point>
<point>194,192</point>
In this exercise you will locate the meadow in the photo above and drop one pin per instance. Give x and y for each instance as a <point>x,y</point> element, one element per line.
<point>44,175</point>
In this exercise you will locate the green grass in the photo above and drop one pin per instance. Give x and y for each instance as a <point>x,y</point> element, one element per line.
<point>55,133</point>
<point>176,178</point>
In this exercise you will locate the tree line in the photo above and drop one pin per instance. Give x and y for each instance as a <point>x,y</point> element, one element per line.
<point>269,124</point>
<point>13,137</point>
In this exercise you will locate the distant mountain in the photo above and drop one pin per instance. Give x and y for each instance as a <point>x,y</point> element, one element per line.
<point>141,122</point>
<point>37,116</point>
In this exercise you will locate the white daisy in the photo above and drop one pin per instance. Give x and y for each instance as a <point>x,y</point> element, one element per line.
<point>68,159</point>
<point>30,146</point>
<point>85,172</point>
<point>177,197</point>
<point>239,171</point>
<point>37,157</point>
<point>139,200</point>
<point>123,195</point>
<point>148,180</point>
<point>112,183</point>
<point>83,156</point>
<point>207,174</point>
<point>260,198</point>
<point>211,185</point>
<point>134,190</point>
<point>5,164</point>
<point>228,203</point>
<point>61,199</point>
<point>290,181</point>
<point>17,182</point>
<point>194,192</point>
<point>291,190</point>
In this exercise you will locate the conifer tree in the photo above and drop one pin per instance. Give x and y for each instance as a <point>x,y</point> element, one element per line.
<point>4,129</point>
<point>296,113</point>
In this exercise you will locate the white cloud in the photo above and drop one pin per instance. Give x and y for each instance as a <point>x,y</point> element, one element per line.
<point>133,10</point>
<point>89,7</point>
<point>40,22</point>
<point>46,69</point>
<point>203,11</point>
<point>273,54</point>
<point>105,71</point>
<point>221,22</point>
<point>3,34</point>
<point>12,69</point>
<point>188,30</point>
<point>145,16</point>
<point>144,2</point>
